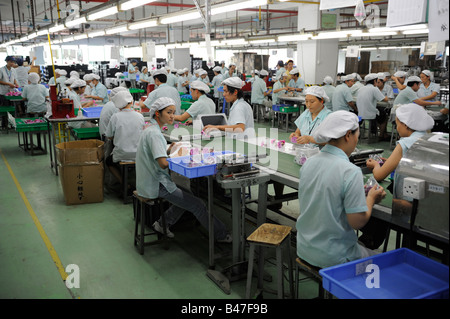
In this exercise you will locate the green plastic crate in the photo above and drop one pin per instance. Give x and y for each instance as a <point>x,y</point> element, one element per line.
<point>87,133</point>
<point>137,91</point>
<point>289,109</point>
<point>6,109</point>
<point>21,126</point>
<point>185,105</point>
<point>11,98</point>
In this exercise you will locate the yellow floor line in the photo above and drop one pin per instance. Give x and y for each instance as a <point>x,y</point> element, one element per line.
<point>46,240</point>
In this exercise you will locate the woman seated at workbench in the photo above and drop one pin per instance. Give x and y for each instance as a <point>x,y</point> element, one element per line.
<point>310,120</point>
<point>203,105</point>
<point>428,91</point>
<point>36,96</point>
<point>332,201</point>
<point>76,90</point>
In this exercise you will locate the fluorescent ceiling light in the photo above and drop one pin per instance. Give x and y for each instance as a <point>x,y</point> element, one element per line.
<point>133,4</point>
<point>24,38</point>
<point>103,13</point>
<point>42,32</point>
<point>118,29</point>
<point>80,36</point>
<point>256,41</point>
<point>424,31</point>
<point>338,34</point>
<point>235,42</point>
<point>180,17</point>
<point>32,36</point>
<point>237,5</point>
<point>143,24</point>
<point>56,28</point>
<point>96,33</point>
<point>377,34</point>
<point>75,22</point>
<point>292,38</point>
<point>68,39</point>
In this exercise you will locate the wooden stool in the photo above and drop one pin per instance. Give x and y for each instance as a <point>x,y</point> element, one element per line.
<point>140,205</point>
<point>313,271</point>
<point>125,167</point>
<point>270,235</point>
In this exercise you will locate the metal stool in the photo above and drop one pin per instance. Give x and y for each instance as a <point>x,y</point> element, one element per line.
<point>274,236</point>
<point>372,127</point>
<point>394,136</point>
<point>313,271</point>
<point>125,167</point>
<point>141,206</point>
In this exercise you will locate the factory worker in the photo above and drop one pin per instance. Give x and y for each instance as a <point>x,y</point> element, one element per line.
<point>231,71</point>
<point>428,91</point>
<point>357,85</point>
<point>203,105</point>
<point>259,92</point>
<point>171,78</point>
<point>22,72</point>
<point>124,129</point>
<point>409,94</point>
<point>108,110</point>
<point>99,91</point>
<point>383,86</point>
<point>35,95</point>
<point>195,76</point>
<point>280,70</point>
<point>445,111</point>
<point>329,89</point>
<point>132,71</point>
<point>310,119</point>
<point>52,79</point>
<point>367,104</point>
<point>186,73</point>
<point>412,123</point>
<point>61,79</point>
<point>255,74</point>
<point>342,97</point>
<point>153,177</point>
<point>88,79</point>
<point>240,120</point>
<point>223,68</point>
<point>8,76</point>
<point>216,82</point>
<point>280,87</point>
<point>328,218</point>
<point>67,87</point>
<point>399,78</point>
<point>74,74</point>
<point>296,84</point>
<point>204,77</point>
<point>144,78</point>
<point>77,89</point>
<point>163,90</point>
<point>182,82</point>
<point>289,66</point>
<point>79,86</point>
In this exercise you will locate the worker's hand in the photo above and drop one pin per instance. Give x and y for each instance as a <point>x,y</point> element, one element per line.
<point>303,139</point>
<point>188,122</point>
<point>11,85</point>
<point>377,193</point>
<point>371,164</point>
<point>34,58</point>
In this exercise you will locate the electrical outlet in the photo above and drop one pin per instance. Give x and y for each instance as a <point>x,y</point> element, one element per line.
<point>414,187</point>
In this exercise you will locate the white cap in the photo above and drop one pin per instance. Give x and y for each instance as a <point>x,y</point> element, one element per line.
<point>328,80</point>
<point>95,77</point>
<point>232,63</point>
<point>234,82</point>
<point>117,90</point>
<point>180,72</point>
<point>199,85</point>
<point>415,117</point>
<point>387,74</point>
<point>186,70</point>
<point>69,81</point>
<point>160,71</point>
<point>167,68</point>
<point>414,79</point>
<point>335,126</point>
<point>400,74</point>
<point>197,71</point>
<point>264,73</point>
<point>33,78</point>
<point>118,74</point>
<point>381,76</point>
<point>77,83</point>
<point>285,74</point>
<point>74,74</point>
<point>144,68</point>
<point>88,77</point>
<point>294,71</point>
<point>317,91</point>
<point>202,72</point>
<point>217,69</point>
<point>370,77</point>
<point>161,104</point>
<point>350,77</point>
<point>427,73</point>
<point>62,72</point>
<point>122,99</point>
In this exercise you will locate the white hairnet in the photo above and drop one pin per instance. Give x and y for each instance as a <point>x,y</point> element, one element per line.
<point>122,99</point>
<point>234,82</point>
<point>74,74</point>
<point>88,77</point>
<point>62,72</point>
<point>117,90</point>
<point>415,117</point>
<point>199,85</point>
<point>160,71</point>
<point>202,72</point>
<point>427,73</point>
<point>370,77</point>
<point>328,80</point>
<point>335,126</point>
<point>294,71</point>
<point>414,79</point>
<point>381,76</point>
<point>264,73</point>
<point>217,69</point>
<point>161,104</point>
<point>77,83</point>
<point>180,72</point>
<point>33,78</point>
<point>95,77</point>
<point>318,92</point>
<point>400,74</point>
<point>69,81</point>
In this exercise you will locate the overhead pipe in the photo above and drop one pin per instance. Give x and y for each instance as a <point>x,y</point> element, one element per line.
<point>20,22</point>
<point>14,19</point>
<point>32,16</point>
<point>1,27</point>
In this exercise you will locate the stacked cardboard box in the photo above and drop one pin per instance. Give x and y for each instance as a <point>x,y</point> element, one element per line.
<point>385,66</point>
<point>81,171</point>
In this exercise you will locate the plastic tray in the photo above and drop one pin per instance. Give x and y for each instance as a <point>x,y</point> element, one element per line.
<point>289,109</point>
<point>403,274</point>
<point>87,133</point>
<point>92,111</point>
<point>13,97</point>
<point>21,126</point>
<point>185,105</point>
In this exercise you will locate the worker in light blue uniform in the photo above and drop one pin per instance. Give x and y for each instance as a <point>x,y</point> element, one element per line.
<point>296,84</point>
<point>240,121</point>
<point>99,91</point>
<point>259,92</point>
<point>310,119</point>
<point>280,70</point>
<point>163,90</point>
<point>357,85</point>
<point>332,201</point>
<point>22,72</point>
<point>409,94</point>
<point>132,72</point>
<point>195,76</point>
<point>171,78</point>
<point>61,79</point>
<point>223,68</point>
<point>108,110</point>
<point>279,88</point>
<point>203,76</point>
<point>203,105</point>
<point>428,91</point>
<point>77,89</point>
<point>216,83</point>
<point>342,97</point>
<point>153,178</point>
<point>182,82</point>
<point>35,95</point>
<point>384,87</point>
<point>231,72</point>
<point>329,89</point>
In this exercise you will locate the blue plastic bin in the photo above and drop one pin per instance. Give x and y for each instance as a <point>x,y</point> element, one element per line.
<point>403,274</point>
<point>180,165</point>
<point>92,111</point>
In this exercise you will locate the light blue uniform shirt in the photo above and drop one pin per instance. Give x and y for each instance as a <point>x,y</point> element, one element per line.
<point>275,96</point>
<point>307,125</point>
<point>35,95</point>
<point>342,95</point>
<point>61,81</point>
<point>227,75</point>
<point>22,75</point>
<point>180,87</point>
<point>258,89</point>
<point>172,80</point>
<point>105,115</point>
<point>329,90</point>
<point>242,113</point>
<point>279,73</point>
<point>406,96</point>
<point>367,100</point>
<point>326,196</point>
<point>388,91</point>
<point>131,76</point>
<point>152,145</point>
<point>433,87</point>
<point>76,105</point>
<point>203,106</point>
<point>355,89</point>
<point>299,84</point>
<point>217,82</point>
<point>101,91</point>
<point>164,90</point>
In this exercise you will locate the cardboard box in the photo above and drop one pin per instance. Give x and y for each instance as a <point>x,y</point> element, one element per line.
<point>81,171</point>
